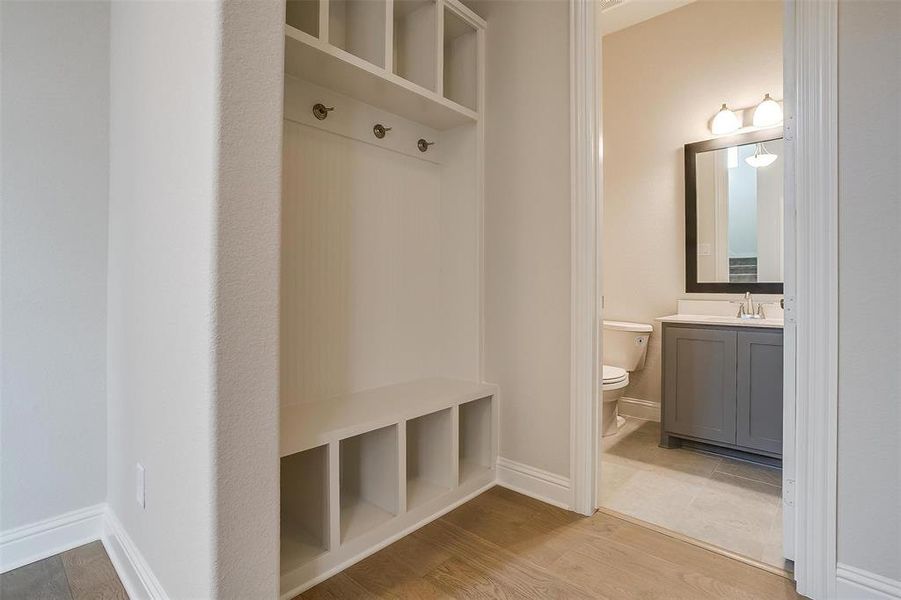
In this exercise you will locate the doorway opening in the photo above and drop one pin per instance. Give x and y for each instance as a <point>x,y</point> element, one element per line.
<point>691,394</point>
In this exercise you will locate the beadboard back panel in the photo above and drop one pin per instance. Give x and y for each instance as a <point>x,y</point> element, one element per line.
<point>380,259</point>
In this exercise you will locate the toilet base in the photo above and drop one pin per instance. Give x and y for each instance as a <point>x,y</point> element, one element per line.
<point>610,419</point>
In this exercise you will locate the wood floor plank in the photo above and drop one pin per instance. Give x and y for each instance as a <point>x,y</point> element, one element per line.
<point>339,587</point>
<point>387,575</point>
<point>503,568</point>
<point>504,545</point>
<point>41,580</point>
<point>91,575</point>
<point>692,558</point>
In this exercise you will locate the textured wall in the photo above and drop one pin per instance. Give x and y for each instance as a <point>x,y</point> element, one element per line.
<point>54,121</point>
<point>663,80</point>
<point>248,216</point>
<point>869,393</point>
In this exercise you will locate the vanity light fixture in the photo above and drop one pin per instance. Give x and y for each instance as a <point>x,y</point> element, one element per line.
<point>762,157</point>
<point>767,113</point>
<point>725,121</point>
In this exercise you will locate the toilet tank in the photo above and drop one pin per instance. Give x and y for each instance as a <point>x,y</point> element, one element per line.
<point>626,344</point>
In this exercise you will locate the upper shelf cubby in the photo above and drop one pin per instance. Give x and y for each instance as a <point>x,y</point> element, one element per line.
<point>358,27</point>
<point>415,48</point>
<point>389,54</point>
<point>303,15</point>
<point>460,60</point>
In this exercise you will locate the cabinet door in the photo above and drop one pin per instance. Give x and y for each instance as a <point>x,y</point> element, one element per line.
<point>699,383</point>
<point>760,391</point>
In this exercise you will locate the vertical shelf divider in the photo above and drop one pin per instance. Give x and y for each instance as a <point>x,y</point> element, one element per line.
<point>334,495</point>
<point>439,52</point>
<point>455,445</point>
<point>323,21</point>
<point>402,467</point>
<point>389,36</point>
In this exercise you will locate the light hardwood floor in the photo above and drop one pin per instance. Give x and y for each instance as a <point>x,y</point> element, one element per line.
<point>83,573</point>
<point>498,545</point>
<point>506,545</point>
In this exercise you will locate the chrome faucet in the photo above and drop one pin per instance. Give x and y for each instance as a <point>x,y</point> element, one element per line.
<point>748,309</point>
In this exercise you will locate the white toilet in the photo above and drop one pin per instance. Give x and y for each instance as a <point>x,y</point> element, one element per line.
<point>625,348</point>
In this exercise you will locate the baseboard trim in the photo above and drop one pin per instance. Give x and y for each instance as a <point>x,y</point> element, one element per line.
<point>30,543</point>
<point>135,573</point>
<point>857,584</point>
<point>638,408</point>
<point>536,483</point>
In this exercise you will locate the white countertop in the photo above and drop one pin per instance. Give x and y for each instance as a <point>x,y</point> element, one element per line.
<point>722,312</point>
<point>721,320</point>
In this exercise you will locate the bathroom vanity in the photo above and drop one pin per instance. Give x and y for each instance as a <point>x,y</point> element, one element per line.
<point>722,383</point>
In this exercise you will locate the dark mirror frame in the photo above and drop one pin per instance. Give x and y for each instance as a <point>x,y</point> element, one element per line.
<point>692,285</point>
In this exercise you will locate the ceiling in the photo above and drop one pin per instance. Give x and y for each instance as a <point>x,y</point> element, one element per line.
<point>619,14</point>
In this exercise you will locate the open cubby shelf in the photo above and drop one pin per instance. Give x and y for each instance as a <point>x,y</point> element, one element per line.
<point>304,507</point>
<point>303,15</point>
<point>368,481</point>
<point>358,27</point>
<point>476,452</point>
<point>415,47</point>
<point>460,60</point>
<point>392,63</point>
<point>429,457</point>
<point>365,466</point>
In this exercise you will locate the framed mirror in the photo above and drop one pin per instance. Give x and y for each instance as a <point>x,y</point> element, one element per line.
<point>734,214</point>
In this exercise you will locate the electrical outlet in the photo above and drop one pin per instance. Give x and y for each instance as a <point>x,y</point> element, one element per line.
<point>140,490</point>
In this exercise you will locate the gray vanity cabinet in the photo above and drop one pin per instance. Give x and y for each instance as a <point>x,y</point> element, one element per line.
<point>699,383</point>
<point>759,422</point>
<point>723,386</point>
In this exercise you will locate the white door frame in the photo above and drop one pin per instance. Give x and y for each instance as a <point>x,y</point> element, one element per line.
<point>811,131</point>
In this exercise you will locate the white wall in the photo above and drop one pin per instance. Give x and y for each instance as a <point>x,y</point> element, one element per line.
<point>195,119</point>
<point>869,394</point>
<point>54,136</point>
<point>663,80</point>
<point>163,145</point>
<point>527,227</point>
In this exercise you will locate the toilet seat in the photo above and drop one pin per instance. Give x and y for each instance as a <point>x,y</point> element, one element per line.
<point>614,378</point>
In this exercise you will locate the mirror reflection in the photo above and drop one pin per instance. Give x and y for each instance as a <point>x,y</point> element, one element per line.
<point>739,213</point>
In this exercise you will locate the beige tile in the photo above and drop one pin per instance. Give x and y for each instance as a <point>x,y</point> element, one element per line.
<point>733,513</point>
<point>761,473</point>
<point>772,550</point>
<point>652,496</point>
<point>638,447</point>
<point>615,477</point>
<point>725,502</point>
<point>746,491</point>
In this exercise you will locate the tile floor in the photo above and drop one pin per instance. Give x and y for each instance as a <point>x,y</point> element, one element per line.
<point>728,503</point>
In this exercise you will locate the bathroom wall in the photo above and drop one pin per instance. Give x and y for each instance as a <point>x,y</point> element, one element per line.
<point>869,352</point>
<point>54,122</point>
<point>663,80</point>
